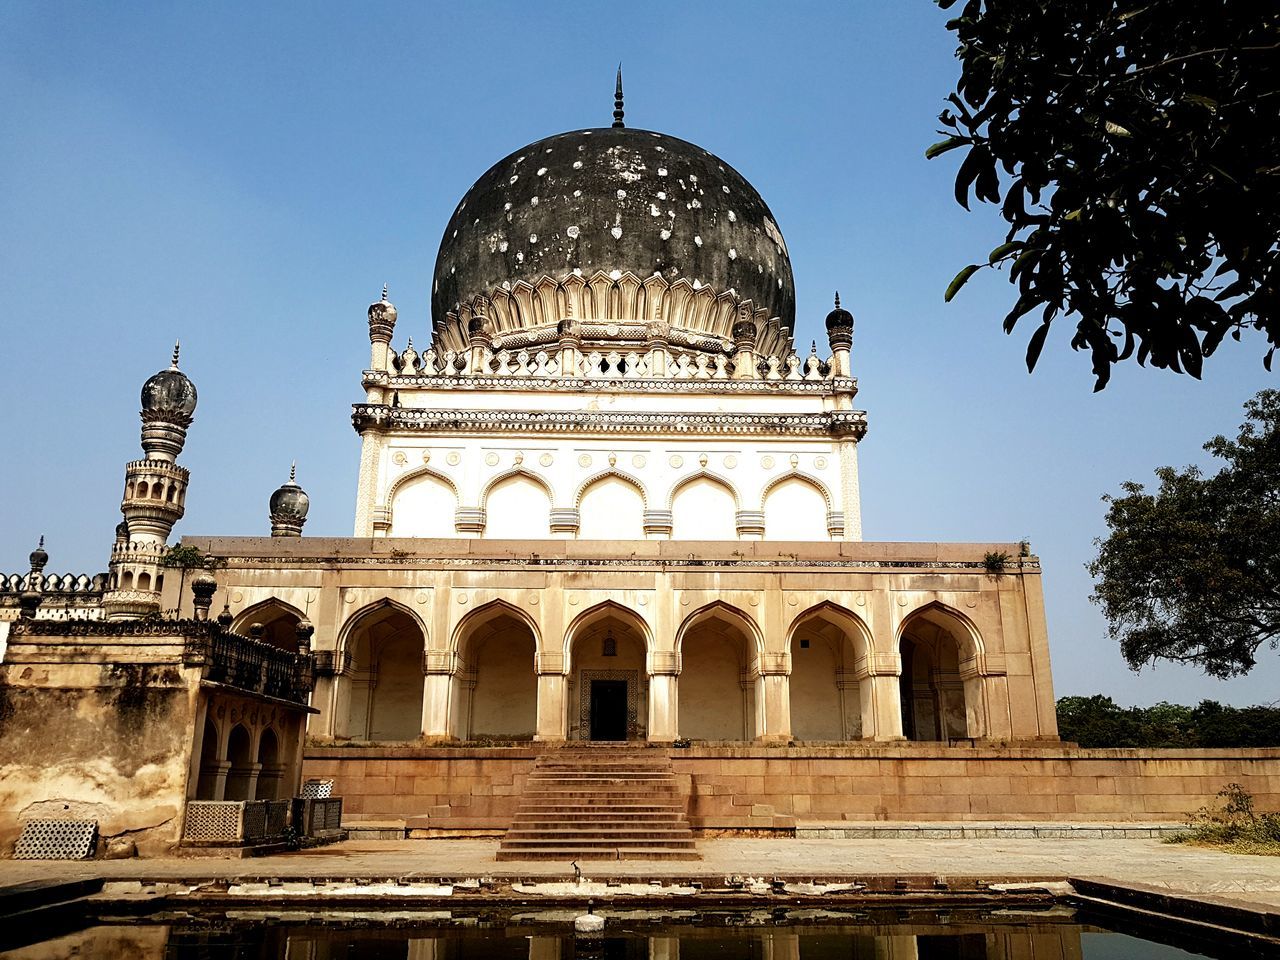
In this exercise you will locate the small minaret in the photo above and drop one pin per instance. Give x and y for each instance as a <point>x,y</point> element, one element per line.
<point>289,505</point>
<point>382,325</point>
<point>840,334</point>
<point>33,585</point>
<point>155,494</point>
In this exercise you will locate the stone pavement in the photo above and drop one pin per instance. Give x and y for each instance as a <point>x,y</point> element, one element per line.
<point>1189,869</point>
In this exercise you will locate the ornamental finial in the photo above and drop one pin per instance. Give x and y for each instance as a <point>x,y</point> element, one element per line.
<point>293,470</point>
<point>837,299</point>
<point>177,345</point>
<point>813,348</point>
<point>617,100</point>
<point>384,293</point>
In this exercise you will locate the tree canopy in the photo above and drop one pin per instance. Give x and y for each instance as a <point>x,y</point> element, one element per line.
<point>1134,150</point>
<point>1099,721</point>
<point>1191,573</point>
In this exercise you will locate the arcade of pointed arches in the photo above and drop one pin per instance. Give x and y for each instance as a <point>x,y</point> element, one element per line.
<point>611,504</point>
<point>500,679</point>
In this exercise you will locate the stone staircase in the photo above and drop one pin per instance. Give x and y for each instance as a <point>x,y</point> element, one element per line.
<point>606,802</point>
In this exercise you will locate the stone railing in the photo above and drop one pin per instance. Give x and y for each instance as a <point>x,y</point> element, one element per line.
<point>235,822</point>
<point>57,585</point>
<point>611,364</point>
<point>258,667</point>
<point>228,658</point>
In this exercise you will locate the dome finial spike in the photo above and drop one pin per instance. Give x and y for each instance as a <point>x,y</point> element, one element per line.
<point>177,346</point>
<point>41,544</point>
<point>293,470</point>
<point>813,348</point>
<point>384,293</point>
<point>837,299</point>
<point>617,100</point>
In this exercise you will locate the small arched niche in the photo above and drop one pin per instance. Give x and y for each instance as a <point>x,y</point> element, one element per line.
<point>795,510</point>
<point>704,509</point>
<point>611,508</point>
<point>423,506</point>
<point>518,508</point>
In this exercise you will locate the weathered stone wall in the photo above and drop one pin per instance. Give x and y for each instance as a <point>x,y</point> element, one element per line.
<point>104,741</point>
<point>758,788</point>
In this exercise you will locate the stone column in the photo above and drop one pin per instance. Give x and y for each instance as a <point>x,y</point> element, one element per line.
<point>882,699</point>
<point>437,691</point>
<point>552,696</point>
<point>664,700</point>
<point>219,769</point>
<point>773,692</point>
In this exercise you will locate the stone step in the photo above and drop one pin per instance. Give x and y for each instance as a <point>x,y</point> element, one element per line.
<point>600,802</point>
<point>554,816</point>
<point>577,843</point>
<point>568,855</point>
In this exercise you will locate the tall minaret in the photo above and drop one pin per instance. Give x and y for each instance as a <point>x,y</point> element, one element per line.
<point>155,494</point>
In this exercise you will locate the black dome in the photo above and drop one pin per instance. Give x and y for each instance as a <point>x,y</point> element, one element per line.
<point>614,199</point>
<point>169,392</point>
<point>290,500</point>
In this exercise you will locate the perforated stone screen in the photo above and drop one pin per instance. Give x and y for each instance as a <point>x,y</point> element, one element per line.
<point>213,820</point>
<point>316,789</point>
<point>57,840</point>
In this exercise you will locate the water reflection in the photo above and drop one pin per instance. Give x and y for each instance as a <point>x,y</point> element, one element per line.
<point>285,937</point>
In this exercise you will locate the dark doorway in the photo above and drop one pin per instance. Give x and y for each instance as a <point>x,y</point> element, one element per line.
<point>608,709</point>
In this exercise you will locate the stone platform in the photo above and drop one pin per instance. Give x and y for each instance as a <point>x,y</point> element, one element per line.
<point>787,791</point>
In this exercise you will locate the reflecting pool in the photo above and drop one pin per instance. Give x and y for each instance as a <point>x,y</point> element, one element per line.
<point>1057,933</point>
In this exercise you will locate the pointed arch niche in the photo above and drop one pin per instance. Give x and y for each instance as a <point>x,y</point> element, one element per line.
<point>938,702</point>
<point>719,685</point>
<point>495,684</point>
<point>704,507</point>
<point>423,504</point>
<point>383,684</point>
<point>795,508</point>
<point>830,691</point>
<point>517,506</point>
<point>279,622</point>
<point>611,507</point>
<point>606,649</point>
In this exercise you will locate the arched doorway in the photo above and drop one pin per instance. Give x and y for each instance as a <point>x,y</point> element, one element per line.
<point>609,688</point>
<point>496,683</point>
<point>384,681</point>
<point>240,774</point>
<point>279,622</point>
<point>828,700</point>
<point>270,770</point>
<point>937,702</point>
<point>719,675</point>
<point>210,764</point>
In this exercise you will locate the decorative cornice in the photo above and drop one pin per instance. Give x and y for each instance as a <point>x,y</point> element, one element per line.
<point>629,563</point>
<point>378,378</point>
<point>835,423</point>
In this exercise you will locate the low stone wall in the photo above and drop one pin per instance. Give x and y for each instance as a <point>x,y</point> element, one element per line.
<point>474,790</point>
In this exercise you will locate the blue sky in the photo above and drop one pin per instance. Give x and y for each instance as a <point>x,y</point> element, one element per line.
<point>246,178</point>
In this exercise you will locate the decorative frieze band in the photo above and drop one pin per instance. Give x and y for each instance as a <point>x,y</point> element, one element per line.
<point>834,423</point>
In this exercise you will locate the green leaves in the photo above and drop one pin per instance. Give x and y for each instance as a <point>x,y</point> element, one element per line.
<point>942,146</point>
<point>1189,573</point>
<point>1134,146</point>
<point>960,280</point>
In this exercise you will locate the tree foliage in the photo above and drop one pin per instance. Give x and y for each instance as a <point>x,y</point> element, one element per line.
<point>1134,150</point>
<point>1191,573</point>
<point>1099,721</point>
